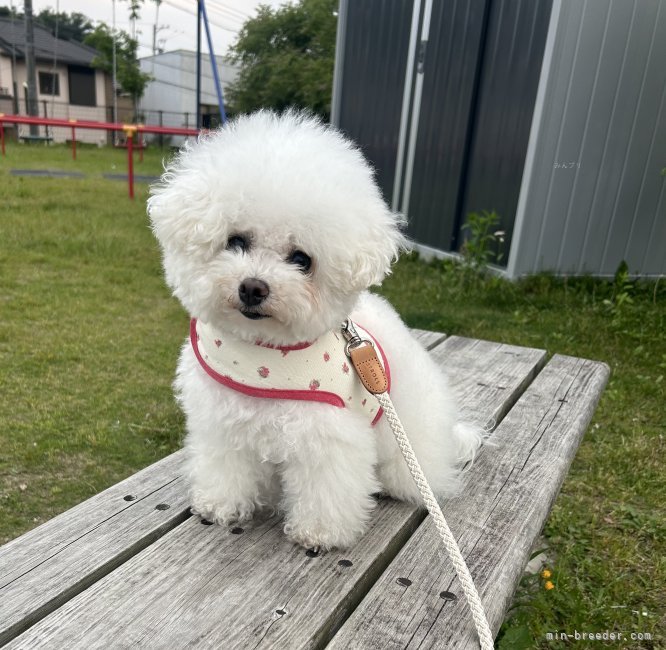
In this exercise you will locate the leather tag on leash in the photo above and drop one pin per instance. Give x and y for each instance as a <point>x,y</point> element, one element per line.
<point>369,369</point>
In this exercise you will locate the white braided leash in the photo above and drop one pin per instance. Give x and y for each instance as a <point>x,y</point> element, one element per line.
<point>471,594</point>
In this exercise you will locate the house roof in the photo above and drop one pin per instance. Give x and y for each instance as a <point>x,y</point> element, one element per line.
<point>12,35</point>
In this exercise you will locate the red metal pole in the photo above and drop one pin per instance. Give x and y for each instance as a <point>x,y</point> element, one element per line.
<point>130,162</point>
<point>89,124</point>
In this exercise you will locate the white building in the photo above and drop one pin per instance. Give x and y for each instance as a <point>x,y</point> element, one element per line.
<point>68,87</point>
<point>170,98</point>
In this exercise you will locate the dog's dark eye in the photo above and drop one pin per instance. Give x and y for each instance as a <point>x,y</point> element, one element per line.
<point>238,243</point>
<point>299,258</point>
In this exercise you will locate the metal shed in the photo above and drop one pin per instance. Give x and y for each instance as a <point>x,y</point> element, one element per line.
<point>550,112</point>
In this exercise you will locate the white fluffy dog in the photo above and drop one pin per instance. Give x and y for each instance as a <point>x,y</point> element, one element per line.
<point>272,229</point>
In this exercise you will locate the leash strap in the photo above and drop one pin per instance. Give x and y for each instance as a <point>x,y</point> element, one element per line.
<point>369,369</point>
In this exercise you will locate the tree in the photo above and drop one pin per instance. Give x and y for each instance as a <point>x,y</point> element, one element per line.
<point>8,12</point>
<point>71,27</point>
<point>286,58</point>
<point>128,72</point>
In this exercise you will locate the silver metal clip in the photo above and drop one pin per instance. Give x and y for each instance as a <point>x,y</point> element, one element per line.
<point>354,339</point>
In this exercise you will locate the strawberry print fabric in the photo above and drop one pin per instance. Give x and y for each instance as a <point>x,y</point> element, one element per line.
<point>316,371</point>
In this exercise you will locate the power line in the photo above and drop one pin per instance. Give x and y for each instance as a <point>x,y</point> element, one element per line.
<point>171,83</point>
<point>222,8</point>
<point>181,86</point>
<point>231,8</point>
<point>214,12</point>
<point>180,68</point>
<point>171,3</point>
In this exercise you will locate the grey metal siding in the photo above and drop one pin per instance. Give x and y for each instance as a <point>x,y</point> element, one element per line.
<point>509,80</point>
<point>376,40</point>
<point>596,194</point>
<point>451,62</point>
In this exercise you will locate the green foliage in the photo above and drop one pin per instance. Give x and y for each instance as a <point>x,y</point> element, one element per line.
<point>8,12</point>
<point>71,27</point>
<point>128,72</point>
<point>134,8</point>
<point>482,245</point>
<point>482,240</point>
<point>618,302</point>
<point>286,58</point>
<point>517,638</point>
<point>606,533</point>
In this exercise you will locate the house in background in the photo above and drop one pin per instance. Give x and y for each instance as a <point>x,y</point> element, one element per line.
<point>68,87</point>
<point>550,112</point>
<point>170,98</point>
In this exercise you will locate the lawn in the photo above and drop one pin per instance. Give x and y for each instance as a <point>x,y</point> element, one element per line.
<point>89,337</point>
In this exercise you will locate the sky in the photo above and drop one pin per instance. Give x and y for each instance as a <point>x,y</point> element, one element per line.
<point>177,22</point>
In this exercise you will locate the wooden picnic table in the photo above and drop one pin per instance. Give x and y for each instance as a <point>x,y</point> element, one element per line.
<point>131,567</point>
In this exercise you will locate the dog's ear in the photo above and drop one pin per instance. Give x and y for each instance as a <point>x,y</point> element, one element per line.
<point>182,218</point>
<point>380,242</point>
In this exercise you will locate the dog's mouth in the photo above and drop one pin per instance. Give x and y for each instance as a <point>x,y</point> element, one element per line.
<point>253,315</point>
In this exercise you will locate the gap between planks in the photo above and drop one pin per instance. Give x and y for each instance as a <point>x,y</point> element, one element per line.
<point>523,472</point>
<point>32,584</point>
<point>282,574</point>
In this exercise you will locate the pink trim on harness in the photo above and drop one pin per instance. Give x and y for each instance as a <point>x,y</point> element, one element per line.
<point>278,393</point>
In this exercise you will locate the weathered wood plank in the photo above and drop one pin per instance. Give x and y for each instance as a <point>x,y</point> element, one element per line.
<point>427,339</point>
<point>205,586</point>
<point>42,569</point>
<point>52,563</point>
<point>515,483</point>
<point>483,370</point>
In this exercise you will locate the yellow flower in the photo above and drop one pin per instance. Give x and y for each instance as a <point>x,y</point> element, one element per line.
<point>546,574</point>
<point>549,585</point>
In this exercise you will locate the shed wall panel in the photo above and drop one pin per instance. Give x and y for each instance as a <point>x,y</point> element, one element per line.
<point>599,145</point>
<point>450,69</point>
<point>567,175</point>
<point>604,112</point>
<point>509,79</point>
<point>546,183</point>
<point>637,203</point>
<point>376,42</point>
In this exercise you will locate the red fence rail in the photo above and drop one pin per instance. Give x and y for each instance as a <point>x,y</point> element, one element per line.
<point>130,130</point>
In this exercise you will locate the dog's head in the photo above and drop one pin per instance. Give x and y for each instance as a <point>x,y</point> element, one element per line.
<point>271,226</point>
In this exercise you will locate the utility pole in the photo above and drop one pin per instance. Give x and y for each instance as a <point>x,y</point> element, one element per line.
<point>32,108</point>
<point>198,91</point>
<point>155,28</point>
<point>114,64</point>
<point>16,107</point>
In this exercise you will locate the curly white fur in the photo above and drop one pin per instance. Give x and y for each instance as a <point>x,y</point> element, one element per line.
<point>288,183</point>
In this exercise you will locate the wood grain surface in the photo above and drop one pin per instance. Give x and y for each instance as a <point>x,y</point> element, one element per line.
<point>208,586</point>
<point>510,490</point>
<point>52,563</point>
<point>428,339</point>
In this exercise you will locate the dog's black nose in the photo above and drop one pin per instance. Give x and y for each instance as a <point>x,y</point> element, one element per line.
<point>253,292</point>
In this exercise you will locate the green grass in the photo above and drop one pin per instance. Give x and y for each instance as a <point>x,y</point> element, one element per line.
<point>90,159</point>
<point>89,338</point>
<point>606,532</point>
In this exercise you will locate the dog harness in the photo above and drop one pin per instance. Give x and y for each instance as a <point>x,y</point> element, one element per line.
<point>317,372</point>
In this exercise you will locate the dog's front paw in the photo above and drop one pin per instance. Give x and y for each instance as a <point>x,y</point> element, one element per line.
<point>321,537</point>
<point>221,511</point>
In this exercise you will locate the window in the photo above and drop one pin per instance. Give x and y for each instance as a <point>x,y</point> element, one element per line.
<point>82,86</point>
<point>49,83</point>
